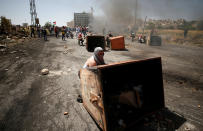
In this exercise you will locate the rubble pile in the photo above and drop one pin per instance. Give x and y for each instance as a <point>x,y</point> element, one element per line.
<point>12,33</point>
<point>13,38</point>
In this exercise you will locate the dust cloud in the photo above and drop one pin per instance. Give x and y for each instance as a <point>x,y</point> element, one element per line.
<point>126,15</point>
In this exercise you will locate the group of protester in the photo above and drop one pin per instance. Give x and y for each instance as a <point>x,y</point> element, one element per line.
<point>80,29</point>
<point>41,31</point>
<point>65,31</point>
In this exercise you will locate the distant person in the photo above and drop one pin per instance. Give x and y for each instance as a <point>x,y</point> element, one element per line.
<point>32,31</point>
<point>185,33</point>
<point>39,32</point>
<point>71,34</point>
<point>77,31</point>
<point>56,30</point>
<point>84,30</point>
<point>108,39</point>
<point>63,32</point>
<point>44,32</point>
<point>80,39</point>
<point>132,36</point>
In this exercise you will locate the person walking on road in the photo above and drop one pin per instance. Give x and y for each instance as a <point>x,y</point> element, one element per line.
<point>63,33</point>
<point>32,31</point>
<point>39,31</point>
<point>56,30</point>
<point>80,39</point>
<point>44,34</point>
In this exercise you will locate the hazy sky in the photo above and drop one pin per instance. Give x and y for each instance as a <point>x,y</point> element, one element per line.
<point>62,11</point>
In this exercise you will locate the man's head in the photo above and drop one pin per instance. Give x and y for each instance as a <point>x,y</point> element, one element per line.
<point>98,55</point>
<point>99,51</point>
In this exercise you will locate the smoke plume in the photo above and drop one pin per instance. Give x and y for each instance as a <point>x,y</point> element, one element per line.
<point>125,15</point>
<point>118,16</point>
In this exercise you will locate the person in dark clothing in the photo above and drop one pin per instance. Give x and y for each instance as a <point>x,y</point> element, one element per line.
<point>38,32</point>
<point>56,30</point>
<point>132,36</point>
<point>185,33</point>
<point>44,34</point>
<point>32,31</point>
<point>108,39</point>
<point>63,33</point>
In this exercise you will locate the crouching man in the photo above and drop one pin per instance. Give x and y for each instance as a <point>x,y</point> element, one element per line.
<point>96,59</point>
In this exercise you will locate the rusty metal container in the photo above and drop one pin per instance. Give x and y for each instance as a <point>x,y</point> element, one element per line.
<point>118,95</point>
<point>94,41</point>
<point>117,43</point>
<point>154,40</point>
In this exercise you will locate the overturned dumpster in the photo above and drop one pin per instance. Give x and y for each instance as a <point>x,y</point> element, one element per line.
<point>117,43</point>
<point>95,41</point>
<point>118,95</point>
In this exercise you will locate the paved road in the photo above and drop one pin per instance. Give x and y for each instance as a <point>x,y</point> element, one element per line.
<point>30,101</point>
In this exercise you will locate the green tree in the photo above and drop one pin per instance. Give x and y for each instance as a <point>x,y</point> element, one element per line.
<point>47,25</point>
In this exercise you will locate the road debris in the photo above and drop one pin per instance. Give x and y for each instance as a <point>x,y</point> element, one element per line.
<point>194,89</point>
<point>65,52</point>
<point>57,73</point>
<point>12,52</point>
<point>79,99</point>
<point>187,129</point>
<point>180,82</point>
<point>44,71</point>
<point>65,113</point>
<point>68,51</point>
<point>3,47</point>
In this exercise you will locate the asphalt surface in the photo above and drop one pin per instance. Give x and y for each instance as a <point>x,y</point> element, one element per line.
<point>31,101</point>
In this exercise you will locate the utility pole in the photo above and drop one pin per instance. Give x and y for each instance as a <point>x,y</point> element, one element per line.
<point>92,11</point>
<point>136,9</point>
<point>144,24</point>
<point>33,12</point>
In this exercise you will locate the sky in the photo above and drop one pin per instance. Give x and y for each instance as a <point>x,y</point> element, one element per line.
<point>62,11</point>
